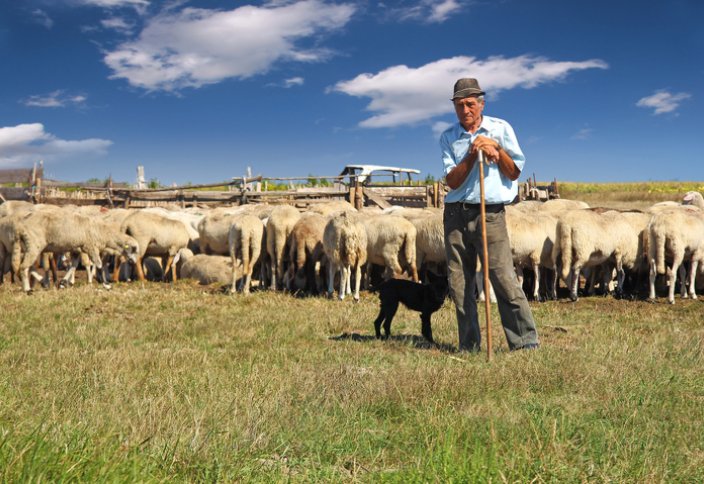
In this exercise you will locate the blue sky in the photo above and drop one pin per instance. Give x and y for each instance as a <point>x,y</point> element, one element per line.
<point>197,91</point>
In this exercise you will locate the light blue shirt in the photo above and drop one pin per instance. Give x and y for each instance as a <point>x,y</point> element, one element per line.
<point>455,142</point>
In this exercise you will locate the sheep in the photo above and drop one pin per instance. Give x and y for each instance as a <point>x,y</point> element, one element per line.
<point>329,208</point>
<point>694,199</point>
<point>430,241</point>
<point>561,205</point>
<point>586,239</point>
<point>532,235</point>
<point>681,234</point>
<point>190,220</point>
<point>14,207</point>
<point>156,235</point>
<point>65,231</point>
<point>391,242</point>
<point>206,269</point>
<point>345,246</point>
<point>245,241</point>
<point>278,228</point>
<point>306,252</point>
<point>7,242</point>
<point>214,230</point>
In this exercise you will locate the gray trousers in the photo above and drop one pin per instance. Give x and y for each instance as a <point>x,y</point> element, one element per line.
<point>463,243</point>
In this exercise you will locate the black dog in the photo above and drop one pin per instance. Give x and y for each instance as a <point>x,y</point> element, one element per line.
<point>424,298</point>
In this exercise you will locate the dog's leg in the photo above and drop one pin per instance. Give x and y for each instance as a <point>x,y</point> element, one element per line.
<point>389,307</point>
<point>426,330</point>
<point>377,323</point>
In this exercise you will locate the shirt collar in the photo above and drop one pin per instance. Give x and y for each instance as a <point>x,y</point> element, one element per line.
<point>483,128</point>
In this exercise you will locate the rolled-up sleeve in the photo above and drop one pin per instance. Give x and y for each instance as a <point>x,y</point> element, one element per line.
<point>448,155</point>
<point>509,142</point>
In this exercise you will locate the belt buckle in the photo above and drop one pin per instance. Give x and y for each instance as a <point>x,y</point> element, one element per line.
<point>466,205</point>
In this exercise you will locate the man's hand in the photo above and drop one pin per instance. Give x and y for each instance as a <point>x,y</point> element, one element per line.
<point>488,146</point>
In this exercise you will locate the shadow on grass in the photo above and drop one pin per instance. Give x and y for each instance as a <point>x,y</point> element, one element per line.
<point>409,339</point>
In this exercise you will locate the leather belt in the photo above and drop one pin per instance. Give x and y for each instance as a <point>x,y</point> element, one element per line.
<point>490,207</point>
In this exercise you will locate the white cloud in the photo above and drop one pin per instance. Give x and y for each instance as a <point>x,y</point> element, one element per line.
<point>439,127</point>
<point>583,134</point>
<point>42,18</point>
<point>439,12</point>
<point>194,47</point>
<point>56,99</point>
<point>137,4</point>
<point>430,11</point>
<point>402,95</point>
<point>294,81</point>
<point>117,23</point>
<point>28,143</point>
<point>663,101</point>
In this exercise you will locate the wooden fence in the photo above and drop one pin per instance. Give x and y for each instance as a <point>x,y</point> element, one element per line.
<point>237,192</point>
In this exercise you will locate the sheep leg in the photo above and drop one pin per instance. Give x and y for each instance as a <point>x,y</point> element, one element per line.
<point>682,273</point>
<point>574,274</point>
<point>233,287</point>
<point>479,282</point>
<point>651,280</point>
<point>116,269</point>
<point>672,276</point>
<point>344,275</point>
<point>692,278</point>
<point>24,276</point>
<point>620,277</point>
<point>536,285</point>
<point>140,271</point>
<point>331,277</point>
<point>349,279</point>
<point>357,281</point>
<point>170,266</point>
<point>519,274</point>
<point>66,281</point>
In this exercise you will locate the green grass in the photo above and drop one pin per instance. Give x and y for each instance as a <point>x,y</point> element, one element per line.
<point>627,195</point>
<point>183,383</point>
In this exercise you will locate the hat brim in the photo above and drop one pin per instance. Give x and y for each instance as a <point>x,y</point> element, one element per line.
<point>468,92</point>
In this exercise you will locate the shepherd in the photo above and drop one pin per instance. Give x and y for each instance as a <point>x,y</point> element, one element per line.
<point>460,145</point>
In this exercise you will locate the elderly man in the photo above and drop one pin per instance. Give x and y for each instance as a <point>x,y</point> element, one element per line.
<point>460,146</point>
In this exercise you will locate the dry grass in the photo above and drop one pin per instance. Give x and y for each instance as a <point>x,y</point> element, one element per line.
<point>627,195</point>
<point>181,383</point>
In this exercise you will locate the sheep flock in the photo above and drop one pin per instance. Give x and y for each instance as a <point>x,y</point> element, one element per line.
<point>562,248</point>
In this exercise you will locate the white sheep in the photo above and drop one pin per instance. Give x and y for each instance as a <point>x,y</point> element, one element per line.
<point>327,209</point>
<point>15,207</point>
<point>245,241</point>
<point>214,229</point>
<point>156,236</point>
<point>278,228</point>
<point>206,269</point>
<point>345,245</point>
<point>391,243</point>
<point>561,205</point>
<point>65,231</point>
<point>679,233</point>
<point>306,252</point>
<point>430,241</point>
<point>532,235</point>
<point>694,199</point>
<point>585,238</point>
<point>190,220</point>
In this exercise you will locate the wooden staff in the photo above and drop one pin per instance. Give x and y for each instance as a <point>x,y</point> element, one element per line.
<point>485,258</point>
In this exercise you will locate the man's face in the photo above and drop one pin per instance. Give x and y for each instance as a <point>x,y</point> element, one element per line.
<point>469,111</point>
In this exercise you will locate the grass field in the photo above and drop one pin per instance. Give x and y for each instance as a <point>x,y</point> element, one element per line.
<point>157,382</point>
<point>182,383</point>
